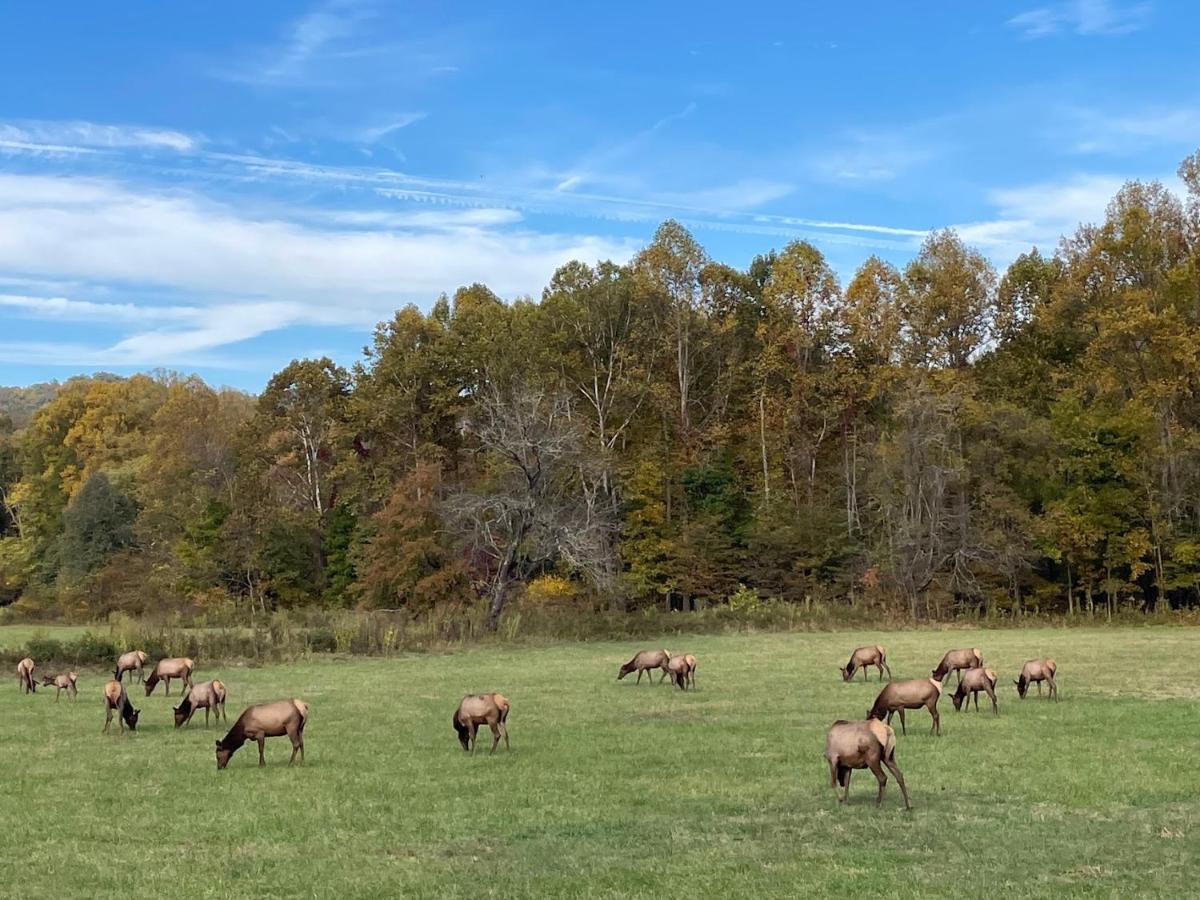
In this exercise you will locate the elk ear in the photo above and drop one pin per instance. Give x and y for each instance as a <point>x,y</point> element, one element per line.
<point>218,743</point>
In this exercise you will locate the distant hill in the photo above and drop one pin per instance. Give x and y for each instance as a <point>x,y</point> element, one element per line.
<point>20,403</point>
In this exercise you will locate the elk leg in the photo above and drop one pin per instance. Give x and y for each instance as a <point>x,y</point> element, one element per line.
<point>846,794</point>
<point>1039,684</point>
<point>262,743</point>
<point>889,670</point>
<point>639,681</point>
<point>992,694</point>
<point>975,695</point>
<point>495,736</point>
<point>891,764</point>
<point>937,722</point>
<point>294,734</point>
<point>877,771</point>
<point>903,727</point>
<point>864,671</point>
<point>1054,690</point>
<point>471,736</point>
<point>504,730</point>
<point>107,720</point>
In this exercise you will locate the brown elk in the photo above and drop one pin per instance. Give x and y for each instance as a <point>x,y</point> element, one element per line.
<point>257,723</point>
<point>475,710</point>
<point>691,661</point>
<point>25,682</point>
<point>116,700</point>
<point>897,696</point>
<point>166,669</point>
<point>130,662</point>
<point>958,661</point>
<point>974,681</point>
<point>1037,671</point>
<point>680,671</point>
<point>645,661</point>
<point>863,658</point>
<point>60,683</point>
<point>207,695</point>
<point>862,745</point>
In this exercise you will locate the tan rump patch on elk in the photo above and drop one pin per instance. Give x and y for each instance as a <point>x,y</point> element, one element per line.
<point>937,684</point>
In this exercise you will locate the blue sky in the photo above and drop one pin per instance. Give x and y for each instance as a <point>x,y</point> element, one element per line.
<point>221,187</point>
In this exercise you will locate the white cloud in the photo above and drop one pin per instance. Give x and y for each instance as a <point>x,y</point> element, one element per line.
<point>1094,131</point>
<point>395,123</point>
<point>67,310</point>
<point>88,137</point>
<point>1082,17</point>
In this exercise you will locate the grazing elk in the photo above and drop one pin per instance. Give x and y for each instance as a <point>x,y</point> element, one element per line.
<point>207,695</point>
<point>862,745</point>
<point>863,658</point>
<point>130,662</point>
<point>166,669</point>
<point>115,699</point>
<point>958,661</point>
<point>1037,671</point>
<point>691,661</point>
<point>897,696</point>
<point>680,671</point>
<point>645,661</point>
<point>257,723</point>
<point>25,682</point>
<point>974,681</point>
<point>60,683</point>
<point>481,709</point>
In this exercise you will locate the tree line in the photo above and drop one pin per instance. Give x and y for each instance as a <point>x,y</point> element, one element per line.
<point>933,439</point>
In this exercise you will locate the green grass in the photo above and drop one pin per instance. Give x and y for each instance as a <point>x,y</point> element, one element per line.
<point>616,789</point>
<point>15,636</point>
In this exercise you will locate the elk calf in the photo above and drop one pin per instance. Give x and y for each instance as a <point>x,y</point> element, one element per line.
<point>957,661</point>
<point>645,661</point>
<point>116,700</point>
<point>130,662</point>
<point>1037,671</point>
<point>207,695</point>
<point>60,683</point>
<point>25,682</point>
<point>481,709</point>
<point>862,745</point>
<point>680,671</point>
<point>166,669</point>
<point>898,696</point>
<point>864,657</point>
<point>257,723</point>
<point>974,681</point>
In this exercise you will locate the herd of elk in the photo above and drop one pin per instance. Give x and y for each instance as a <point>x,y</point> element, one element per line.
<point>65,682</point>
<point>166,669</point>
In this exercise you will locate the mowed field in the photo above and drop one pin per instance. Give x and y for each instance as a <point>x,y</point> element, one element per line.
<point>618,789</point>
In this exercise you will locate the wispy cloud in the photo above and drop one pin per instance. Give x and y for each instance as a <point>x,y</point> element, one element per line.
<point>38,136</point>
<point>1082,17</point>
<point>1096,131</point>
<point>375,133</point>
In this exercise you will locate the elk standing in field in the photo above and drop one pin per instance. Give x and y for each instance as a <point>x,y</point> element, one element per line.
<point>115,699</point>
<point>475,710</point>
<point>645,661</point>
<point>974,681</point>
<point>206,695</point>
<point>958,661</point>
<point>864,657</point>
<point>1038,670</point>
<point>257,723</point>
<point>691,661</point>
<point>862,745</point>
<point>897,696</point>
<point>60,683</point>
<point>25,682</point>
<point>166,669</point>
<point>130,662</point>
<point>680,671</point>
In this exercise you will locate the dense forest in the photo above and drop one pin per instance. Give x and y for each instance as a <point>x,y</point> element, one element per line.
<point>935,440</point>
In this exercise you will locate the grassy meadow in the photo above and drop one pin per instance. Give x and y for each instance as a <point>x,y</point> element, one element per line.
<point>617,789</point>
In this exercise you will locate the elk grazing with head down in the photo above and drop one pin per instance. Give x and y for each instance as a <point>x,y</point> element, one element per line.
<point>1035,671</point>
<point>974,681</point>
<point>680,671</point>
<point>130,662</point>
<point>863,658</point>
<point>60,683</point>
<point>207,695</point>
<point>862,745</point>
<point>958,661</point>
<point>257,723</point>
<point>646,661</point>
<point>25,682</point>
<point>116,700</point>
<point>166,669</point>
<point>897,696</point>
<point>475,710</point>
